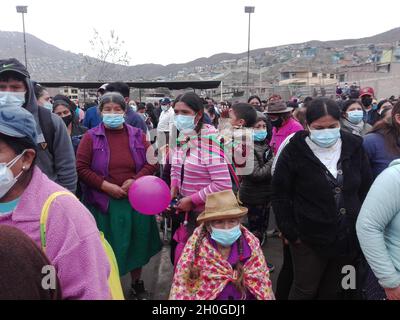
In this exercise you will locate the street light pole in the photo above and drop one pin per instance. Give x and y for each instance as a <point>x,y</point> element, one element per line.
<point>248,10</point>
<point>23,10</point>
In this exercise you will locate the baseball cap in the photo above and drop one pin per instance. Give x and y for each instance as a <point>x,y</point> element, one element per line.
<point>13,65</point>
<point>18,123</point>
<point>102,88</point>
<point>367,91</point>
<point>166,101</point>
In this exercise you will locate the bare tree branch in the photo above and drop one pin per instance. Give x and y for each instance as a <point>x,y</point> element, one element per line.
<point>110,53</point>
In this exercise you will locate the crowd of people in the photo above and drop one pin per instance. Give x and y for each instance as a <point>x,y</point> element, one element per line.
<point>327,170</point>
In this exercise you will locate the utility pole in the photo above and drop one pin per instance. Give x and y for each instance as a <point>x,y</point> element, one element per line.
<point>23,10</point>
<point>248,10</point>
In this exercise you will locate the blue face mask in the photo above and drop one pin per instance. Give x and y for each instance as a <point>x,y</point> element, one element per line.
<point>355,116</point>
<point>12,99</point>
<point>325,138</point>
<point>183,123</point>
<point>112,120</point>
<point>48,106</point>
<point>374,107</point>
<point>226,237</point>
<point>260,135</point>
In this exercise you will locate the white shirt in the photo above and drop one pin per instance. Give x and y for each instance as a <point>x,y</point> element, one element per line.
<point>328,156</point>
<point>280,149</point>
<point>166,120</point>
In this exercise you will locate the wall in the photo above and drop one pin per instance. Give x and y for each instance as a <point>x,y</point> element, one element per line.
<point>384,84</point>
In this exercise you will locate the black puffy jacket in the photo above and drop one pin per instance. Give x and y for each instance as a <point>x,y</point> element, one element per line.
<point>255,189</point>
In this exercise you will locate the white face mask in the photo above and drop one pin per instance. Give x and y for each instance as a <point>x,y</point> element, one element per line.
<point>12,99</point>
<point>7,179</point>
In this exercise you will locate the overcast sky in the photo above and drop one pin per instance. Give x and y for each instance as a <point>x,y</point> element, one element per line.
<point>178,31</point>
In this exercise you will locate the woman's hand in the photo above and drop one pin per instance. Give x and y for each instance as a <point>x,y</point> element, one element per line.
<point>185,204</point>
<point>174,192</point>
<point>127,184</point>
<point>393,294</point>
<point>225,112</point>
<point>286,241</point>
<point>113,190</point>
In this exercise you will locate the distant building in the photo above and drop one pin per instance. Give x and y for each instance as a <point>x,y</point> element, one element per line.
<point>302,77</point>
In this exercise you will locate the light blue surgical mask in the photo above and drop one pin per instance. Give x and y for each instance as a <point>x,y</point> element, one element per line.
<point>184,123</point>
<point>134,108</point>
<point>113,120</point>
<point>355,116</point>
<point>325,138</point>
<point>165,108</point>
<point>260,135</point>
<point>48,106</point>
<point>12,99</point>
<point>226,237</point>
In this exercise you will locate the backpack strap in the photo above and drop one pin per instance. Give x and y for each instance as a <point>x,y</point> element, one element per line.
<point>45,214</point>
<point>48,129</point>
<point>221,153</point>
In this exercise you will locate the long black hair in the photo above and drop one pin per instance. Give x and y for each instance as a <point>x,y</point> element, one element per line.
<point>150,109</point>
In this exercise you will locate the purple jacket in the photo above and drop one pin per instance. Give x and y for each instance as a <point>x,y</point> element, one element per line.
<point>73,242</point>
<point>230,292</point>
<point>101,158</point>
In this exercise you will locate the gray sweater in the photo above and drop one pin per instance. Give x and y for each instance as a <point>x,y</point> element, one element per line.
<point>60,165</point>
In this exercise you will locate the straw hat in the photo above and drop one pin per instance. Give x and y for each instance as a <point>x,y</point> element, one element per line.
<point>221,205</point>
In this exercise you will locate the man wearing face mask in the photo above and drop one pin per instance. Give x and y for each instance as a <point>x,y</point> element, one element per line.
<point>92,117</point>
<point>166,121</point>
<point>282,122</point>
<point>367,97</point>
<point>56,155</point>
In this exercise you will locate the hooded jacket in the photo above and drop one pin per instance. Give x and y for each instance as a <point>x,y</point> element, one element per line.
<point>58,165</point>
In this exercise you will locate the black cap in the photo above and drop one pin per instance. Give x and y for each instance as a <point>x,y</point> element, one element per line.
<point>13,65</point>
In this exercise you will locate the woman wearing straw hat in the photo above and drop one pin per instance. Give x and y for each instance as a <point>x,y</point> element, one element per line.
<point>222,260</point>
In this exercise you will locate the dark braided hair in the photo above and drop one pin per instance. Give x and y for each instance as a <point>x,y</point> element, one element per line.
<point>194,272</point>
<point>239,283</point>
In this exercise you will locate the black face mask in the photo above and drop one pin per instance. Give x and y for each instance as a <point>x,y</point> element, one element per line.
<point>67,120</point>
<point>277,123</point>
<point>366,101</point>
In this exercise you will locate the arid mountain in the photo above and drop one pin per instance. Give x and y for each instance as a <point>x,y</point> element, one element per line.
<point>49,63</point>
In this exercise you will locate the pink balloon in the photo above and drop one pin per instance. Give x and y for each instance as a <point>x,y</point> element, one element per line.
<point>149,195</point>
